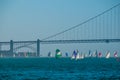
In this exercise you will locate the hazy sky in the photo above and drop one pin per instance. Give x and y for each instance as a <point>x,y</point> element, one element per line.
<point>33,19</point>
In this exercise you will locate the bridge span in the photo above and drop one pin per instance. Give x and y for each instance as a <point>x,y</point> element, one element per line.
<point>38,42</point>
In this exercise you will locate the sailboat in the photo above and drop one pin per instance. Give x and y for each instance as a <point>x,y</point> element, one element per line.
<point>66,54</point>
<point>89,54</point>
<point>49,54</point>
<point>94,54</point>
<point>115,54</point>
<point>81,56</point>
<point>58,53</point>
<point>74,55</point>
<point>77,56</point>
<point>99,54</point>
<point>107,55</point>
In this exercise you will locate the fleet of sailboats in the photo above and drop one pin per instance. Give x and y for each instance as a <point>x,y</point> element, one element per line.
<point>76,55</point>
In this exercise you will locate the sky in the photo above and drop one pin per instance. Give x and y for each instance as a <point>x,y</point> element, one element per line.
<point>38,19</point>
<point>33,19</point>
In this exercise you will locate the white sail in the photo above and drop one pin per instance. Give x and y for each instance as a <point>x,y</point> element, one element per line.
<point>108,55</point>
<point>81,56</point>
<point>73,57</point>
<point>51,55</point>
<point>94,54</point>
<point>78,56</point>
<point>89,54</point>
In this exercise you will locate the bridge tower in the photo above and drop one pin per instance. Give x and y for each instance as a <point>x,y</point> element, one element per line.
<point>38,47</point>
<point>11,46</point>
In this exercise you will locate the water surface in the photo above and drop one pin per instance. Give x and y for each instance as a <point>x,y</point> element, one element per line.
<point>59,69</point>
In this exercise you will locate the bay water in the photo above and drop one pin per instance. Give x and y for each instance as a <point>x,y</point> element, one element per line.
<point>59,69</point>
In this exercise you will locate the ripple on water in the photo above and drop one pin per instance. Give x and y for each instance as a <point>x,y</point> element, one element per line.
<point>57,69</point>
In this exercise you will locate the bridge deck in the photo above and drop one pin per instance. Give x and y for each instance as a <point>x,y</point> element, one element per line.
<point>67,41</point>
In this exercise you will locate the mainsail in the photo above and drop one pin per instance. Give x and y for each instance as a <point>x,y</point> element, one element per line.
<point>99,54</point>
<point>81,56</point>
<point>95,54</point>
<point>115,54</point>
<point>108,54</point>
<point>74,55</point>
<point>89,54</point>
<point>66,54</point>
<point>49,54</point>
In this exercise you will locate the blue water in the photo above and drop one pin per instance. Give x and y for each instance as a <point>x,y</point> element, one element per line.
<point>59,69</point>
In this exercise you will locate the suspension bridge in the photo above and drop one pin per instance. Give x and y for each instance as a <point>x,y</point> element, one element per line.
<point>102,28</point>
